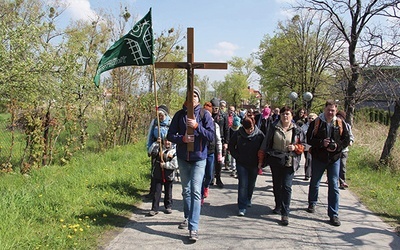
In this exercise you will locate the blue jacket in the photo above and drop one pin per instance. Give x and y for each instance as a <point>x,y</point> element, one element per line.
<point>203,133</point>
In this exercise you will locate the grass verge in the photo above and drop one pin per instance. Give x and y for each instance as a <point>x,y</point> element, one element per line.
<point>71,207</point>
<point>377,189</point>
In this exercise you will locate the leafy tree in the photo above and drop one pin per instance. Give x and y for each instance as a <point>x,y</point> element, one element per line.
<point>298,58</point>
<point>234,88</point>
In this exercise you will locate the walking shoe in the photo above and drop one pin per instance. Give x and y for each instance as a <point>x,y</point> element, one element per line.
<point>193,235</point>
<point>152,213</point>
<point>206,190</point>
<point>285,220</point>
<point>277,210</point>
<point>183,225</point>
<point>242,212</point>
<point>311,208</point>
<point>335,221</point>
<point>168,210</point>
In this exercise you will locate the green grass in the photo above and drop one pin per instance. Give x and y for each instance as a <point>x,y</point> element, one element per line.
<point>379,190</point>
<point>71,207</point>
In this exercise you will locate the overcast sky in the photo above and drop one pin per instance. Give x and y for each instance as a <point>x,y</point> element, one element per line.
<point>222,28</point>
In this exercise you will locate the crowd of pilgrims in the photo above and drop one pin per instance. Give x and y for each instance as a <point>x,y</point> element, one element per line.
<point>245,142</point>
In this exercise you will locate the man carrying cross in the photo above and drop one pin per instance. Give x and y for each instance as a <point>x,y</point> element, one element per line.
<point>191,163</point>
<point>191,129</point>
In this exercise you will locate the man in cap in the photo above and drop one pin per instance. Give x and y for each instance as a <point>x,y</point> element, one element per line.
<point>191,164</point>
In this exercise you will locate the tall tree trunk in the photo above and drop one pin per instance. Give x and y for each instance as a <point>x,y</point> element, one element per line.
<point>392,135</point>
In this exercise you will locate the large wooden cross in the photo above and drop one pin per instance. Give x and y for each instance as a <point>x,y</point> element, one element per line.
<point>190,65</point>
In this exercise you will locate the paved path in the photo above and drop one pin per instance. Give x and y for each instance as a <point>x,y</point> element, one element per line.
<point>221,228</point>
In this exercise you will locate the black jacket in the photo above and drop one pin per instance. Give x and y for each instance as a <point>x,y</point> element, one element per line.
<point>244,147</point>
<point>316,140</point>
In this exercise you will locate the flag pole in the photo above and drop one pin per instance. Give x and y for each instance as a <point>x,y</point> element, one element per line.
<point>158,120</point>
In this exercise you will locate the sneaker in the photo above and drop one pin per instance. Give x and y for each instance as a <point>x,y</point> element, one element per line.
<point>206,190</point>
<point>277,210</point>
<point>306,178</point>
<point>168,210</point>
<point>345,185</point>
<point>335,221</point>
<point>249,204</point>
<point>285,220</point>
<point>342,187</point>
<point>311,208</point>
<point>183,225</point>
<point>193,235</point>
<point>152,213</point>
<point>242,212</point>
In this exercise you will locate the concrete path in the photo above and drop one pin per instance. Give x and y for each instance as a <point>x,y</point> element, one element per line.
<point>221,228</point>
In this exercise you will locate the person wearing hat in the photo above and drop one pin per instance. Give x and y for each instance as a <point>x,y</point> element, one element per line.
<point>191,164</point>
<point>244,146</point>
<point>157,133</point>
<point>222,120</point>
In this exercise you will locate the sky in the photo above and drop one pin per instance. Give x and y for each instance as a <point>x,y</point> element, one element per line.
<point>222,28</point>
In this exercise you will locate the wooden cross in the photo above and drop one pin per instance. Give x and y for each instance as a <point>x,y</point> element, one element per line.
<point>190,65</point>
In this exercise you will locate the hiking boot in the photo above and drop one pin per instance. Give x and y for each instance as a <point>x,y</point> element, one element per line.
<point>242,212</point>
<point>168,210</point>
<point>183,225</point>
<point>193,235</point>
<point>285,220</point>
<point>206,190</point>
<point>335,221</point>
<point>311,208</point>
<point>152,213</point>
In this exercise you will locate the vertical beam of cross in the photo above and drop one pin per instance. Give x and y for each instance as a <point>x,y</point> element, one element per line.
<point>190,66</point>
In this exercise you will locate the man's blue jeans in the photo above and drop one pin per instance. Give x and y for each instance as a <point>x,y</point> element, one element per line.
<point>247,181</point>
<point>192,174</point>
<point>318,169</point>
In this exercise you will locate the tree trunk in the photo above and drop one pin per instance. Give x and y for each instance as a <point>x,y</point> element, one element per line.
<point>392,135</point>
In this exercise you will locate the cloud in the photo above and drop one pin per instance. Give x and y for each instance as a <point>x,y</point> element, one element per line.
<point>224,49</point>
<point>80,10</point>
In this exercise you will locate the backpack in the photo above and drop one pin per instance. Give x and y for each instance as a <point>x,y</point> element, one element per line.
<point>317,122</point>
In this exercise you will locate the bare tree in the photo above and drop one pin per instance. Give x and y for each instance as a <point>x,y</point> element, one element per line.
<point>359,19</point>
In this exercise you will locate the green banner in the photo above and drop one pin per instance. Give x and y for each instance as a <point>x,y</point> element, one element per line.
<point>135,48</point>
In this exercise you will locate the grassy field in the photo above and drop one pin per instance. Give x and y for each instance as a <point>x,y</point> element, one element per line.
<point>71,207</point>
<point>77,205</point>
